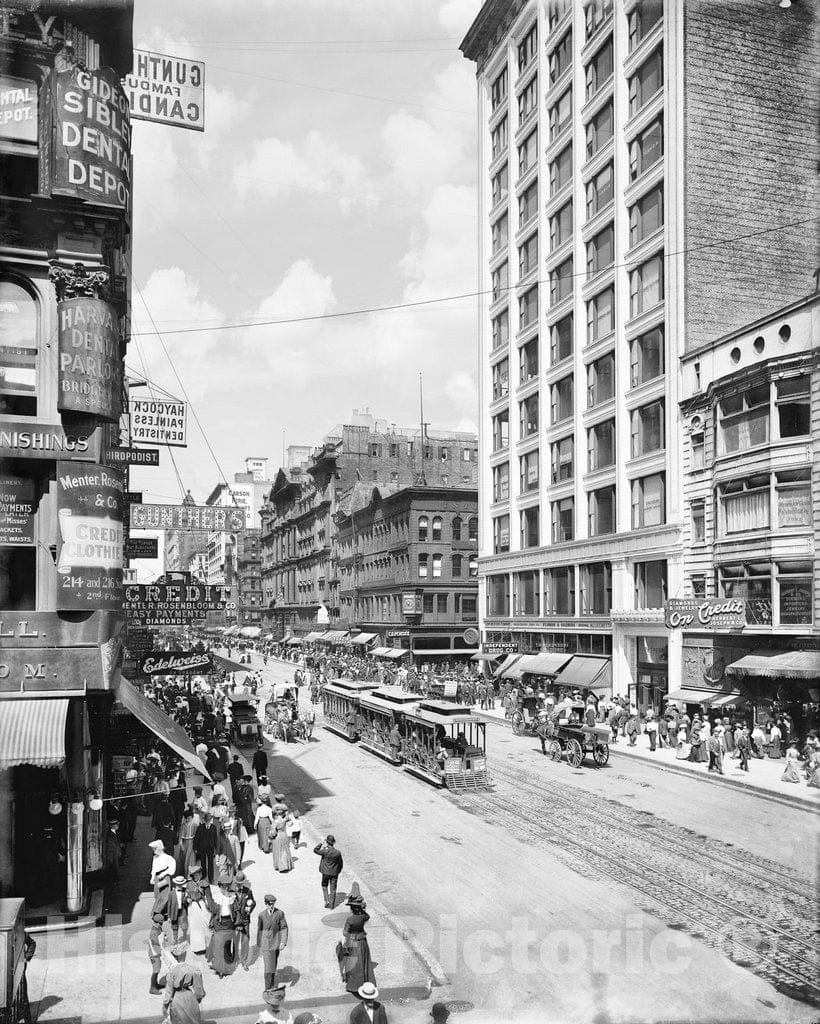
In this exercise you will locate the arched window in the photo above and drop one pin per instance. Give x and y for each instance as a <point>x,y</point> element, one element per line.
<point>456,565</point>
<point>423,522</point>
<point>18,340</point>
<point>473,528</point>
<point>437,528</point>
<point>457,528</point>
<point>436,566</point>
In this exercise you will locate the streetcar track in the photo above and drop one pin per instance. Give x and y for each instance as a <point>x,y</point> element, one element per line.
<point>763,869</point>
<point>791,960</point>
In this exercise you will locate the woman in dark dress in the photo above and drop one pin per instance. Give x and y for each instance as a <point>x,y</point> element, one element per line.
<point>354,954</point>
<point>221,954</point>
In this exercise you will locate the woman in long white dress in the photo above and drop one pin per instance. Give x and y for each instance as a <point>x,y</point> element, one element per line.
<point>200,908</point>
<point>682,750</point>
<point>263,823</point>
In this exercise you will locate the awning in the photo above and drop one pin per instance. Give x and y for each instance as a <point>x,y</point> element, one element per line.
<point>778,665</point>
<point>585,672</point>
<point>543,664</point>
<point>268,636</point>
<point>733,697</point>
<point>362,638</point>
<point>507,665</point>
<point>482,656</point>
<point>232,631</point>
<point>32,731</point>
<point>160,724</point>
<point>437,652</point>
<point>312,637</point>
<point>395,652</point>
<point>379,652</point>
<point>228,665</point>
<point>293,641</point>
<point>333,636</point>
<point>693,696</point>
<point>252,632</point>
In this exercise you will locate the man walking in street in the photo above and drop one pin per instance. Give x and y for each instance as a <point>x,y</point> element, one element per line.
<point>271,938</point>
<point>744,748</point>
<point>715,748</point>
<point>260,762</point>
<point>235,773</point>
<point>243,908</point>
<point>330,866</point>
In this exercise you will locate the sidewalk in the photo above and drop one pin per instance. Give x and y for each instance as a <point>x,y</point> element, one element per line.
<point>763,777</point>
<point>101,976</point>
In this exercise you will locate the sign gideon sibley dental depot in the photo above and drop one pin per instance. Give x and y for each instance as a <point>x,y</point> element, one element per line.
<point>705,613</point>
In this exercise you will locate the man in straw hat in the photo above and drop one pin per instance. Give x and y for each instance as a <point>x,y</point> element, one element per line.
<point>369,1010</point>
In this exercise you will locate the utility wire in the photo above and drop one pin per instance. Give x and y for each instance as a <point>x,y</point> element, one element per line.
<point>470,295</point>
<point>342,92</point>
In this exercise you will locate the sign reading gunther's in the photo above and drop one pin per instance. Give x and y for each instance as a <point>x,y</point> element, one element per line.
<point>88,338</point>
<point>89,154</point>
<point>90,542</point>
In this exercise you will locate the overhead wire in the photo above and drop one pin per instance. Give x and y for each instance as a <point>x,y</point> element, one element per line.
<point>392,307</point>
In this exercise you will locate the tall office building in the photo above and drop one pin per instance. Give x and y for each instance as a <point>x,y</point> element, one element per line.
<point>646,179</point>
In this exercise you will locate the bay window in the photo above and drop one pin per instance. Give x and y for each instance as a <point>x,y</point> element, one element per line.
<point>501,329</point>
<point>498,90</point>
<point>501,430</point>
<point>528,361</point>
<point>500,184</point>
<point>563,520</point>
<point>795,593</point>
<point>498,594</point>
<point>528,308</point>
<point>794,499</point>
<point>646,149</point>
<point>646,82</point>
<point>528,255</point>
<point>528,204</point>
<point>530,530</point>
<point>528,99</point>
<point>646,216</point>
<point>646,356</point>
<point>500,281</point>
<point>561,341</point>
<point>528,49</point>
<point>562,399</point>
<point>528,153</point>
<point>528,416</point>
<point>561,226</point>
<point>560,58</point>
<point>600,190</point>
<point>501,379</point>
<point>501,482</point>
<point>499,138</point>
<point>499,234</point>
<point>560,590</point>
<point>563,459</point>
<point>601,251</point>
<point>744,505</point>
<point>646,286</point>
<point>649,501</point>
<point>793,403</point>
<point>650,584</point>
<point>600,129</point>
<point>601,445</point>
<point>561,282</point>
<point>642,19</point>
<point>601,380</point>
<point>599,69</point>
<point>501,534</point>
<point>743,420</point>
<point>595,13</point>
<point>596,588</point>
<point>526,592</point>
<point>560,115</point>
<point>529,473</point>
<point>601,511</point>
<point>601,315</point>
<point>560,170</point>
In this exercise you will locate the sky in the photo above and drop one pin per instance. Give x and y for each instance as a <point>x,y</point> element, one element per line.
<point>336,172</point>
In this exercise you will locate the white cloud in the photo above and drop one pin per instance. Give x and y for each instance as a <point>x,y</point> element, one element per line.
<point>315,164</point>
<point>456,16</point>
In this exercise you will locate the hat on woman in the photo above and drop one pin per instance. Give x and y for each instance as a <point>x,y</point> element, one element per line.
<point>355,894</point>
<point>274,996</point>
<point>369,991</point>
<point>194,869</point>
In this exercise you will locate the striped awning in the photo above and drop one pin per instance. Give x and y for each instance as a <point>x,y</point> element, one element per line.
<point>32,731</point>
<point>362,638</point>
<point>311,637</point>
<point>586,671</point>
<point>778,665</point>
<point>160,724</point>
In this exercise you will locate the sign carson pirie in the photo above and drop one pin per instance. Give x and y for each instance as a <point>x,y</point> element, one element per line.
<point>162,663</point>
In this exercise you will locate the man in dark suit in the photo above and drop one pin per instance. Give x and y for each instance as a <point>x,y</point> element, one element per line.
<point>369,1010</point>
<point>271,938</point>
<point>260,762</point>
<point>206,840</point>
<point>331,866</point>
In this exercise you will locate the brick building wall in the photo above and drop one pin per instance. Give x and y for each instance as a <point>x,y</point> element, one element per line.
<point>751,109</point>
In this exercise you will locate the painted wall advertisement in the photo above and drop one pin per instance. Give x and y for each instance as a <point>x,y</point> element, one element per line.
<point>156,421</point>
<point>16,511</point>
<point>90,541</point>
<point>18,109</point>
<point>89,155</point>
<point>90,375</point>
<point>168,90</point>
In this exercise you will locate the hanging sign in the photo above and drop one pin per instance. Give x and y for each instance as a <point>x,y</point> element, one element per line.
<point>23,439</point>
<point>162,663</point>
<point>90,370</point>
<point>133,497</point>
<point>16,511</point>
<point>214,518</point>
<point>131,456</point>
<point>89,154</point>
<point>172,604</point>
<point>141,547</point>
<point>90,541</point>
<point>693,613</point>
<point>18,109</point>
<point>167,90</point>
<point>157,421</point>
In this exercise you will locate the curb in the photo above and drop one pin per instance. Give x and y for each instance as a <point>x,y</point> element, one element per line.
<point>796,801</point>
<point>396,925</point>
<point>72,922</point>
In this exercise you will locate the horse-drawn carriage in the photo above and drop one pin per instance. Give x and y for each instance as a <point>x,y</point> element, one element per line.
<point>528,718</point>
<point>568,733</point>
<point>245,726</point>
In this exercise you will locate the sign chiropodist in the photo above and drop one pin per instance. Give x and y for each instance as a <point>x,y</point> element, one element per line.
<point>89,154</point>
<point>90,376</point>
<point>90,540</point>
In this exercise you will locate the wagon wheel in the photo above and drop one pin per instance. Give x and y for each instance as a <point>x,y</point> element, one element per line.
<point>601,754</point>
<point>518,723</point>
<point>575,753</point>
<point>555,750</point>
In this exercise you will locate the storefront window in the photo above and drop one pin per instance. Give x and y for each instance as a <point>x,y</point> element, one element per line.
<point>752,580</point>
<point>795,594</point>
